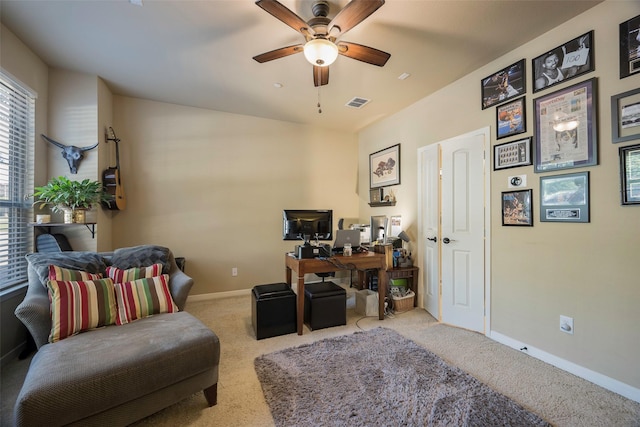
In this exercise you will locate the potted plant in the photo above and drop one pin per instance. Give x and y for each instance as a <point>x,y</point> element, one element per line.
<point>71,197</point>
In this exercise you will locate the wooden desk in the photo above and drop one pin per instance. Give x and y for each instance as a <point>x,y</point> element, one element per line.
<point>369,260</point>
<point>409,273</point>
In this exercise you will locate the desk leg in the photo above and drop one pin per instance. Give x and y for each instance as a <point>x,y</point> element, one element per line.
<point>382,291</point>
<point>287,276</point>
<point>300,303</point>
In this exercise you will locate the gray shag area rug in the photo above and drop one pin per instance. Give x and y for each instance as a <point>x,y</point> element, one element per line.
<point>378,377</point>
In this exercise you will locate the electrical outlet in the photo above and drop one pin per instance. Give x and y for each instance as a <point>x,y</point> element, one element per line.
<point>234,271</point>
<point>566,324</point>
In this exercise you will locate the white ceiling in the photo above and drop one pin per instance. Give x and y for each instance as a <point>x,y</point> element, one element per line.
<point>199,53</point>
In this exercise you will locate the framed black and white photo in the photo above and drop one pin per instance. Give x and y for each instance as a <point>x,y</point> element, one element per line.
<point>564,198</point>
<point>566,128</point>
<point>508,83</point>
<point>625,116</point>
<point>565,62</point>
<point>630,47</point>
<point>512,154</point>
<point>384,167</point>
<point>630,174</point>
<point>511,119</point>
<point>517,208</point>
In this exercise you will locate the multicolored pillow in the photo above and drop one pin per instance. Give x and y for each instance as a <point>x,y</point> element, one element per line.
<point>60,273</point>
<point>122,276</point>
<point>142,298</point>
<point>78,306</point>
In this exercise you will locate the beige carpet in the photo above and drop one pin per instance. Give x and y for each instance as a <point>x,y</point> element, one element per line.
<point>560,398</point>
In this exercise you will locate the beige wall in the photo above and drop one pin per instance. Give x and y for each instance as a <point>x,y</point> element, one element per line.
<point>586,271</point>
<point>212,186</point>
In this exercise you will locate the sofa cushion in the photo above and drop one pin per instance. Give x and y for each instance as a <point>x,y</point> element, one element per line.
<point>90,262</point>
<point>92,372</point>
<point>59,273</point>
<point>120,276</point>
<point>143,297</point>
<point>78,306</point>
<point>141,256</point>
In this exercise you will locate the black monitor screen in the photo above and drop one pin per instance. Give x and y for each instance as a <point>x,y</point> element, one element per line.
<point>300,222</point>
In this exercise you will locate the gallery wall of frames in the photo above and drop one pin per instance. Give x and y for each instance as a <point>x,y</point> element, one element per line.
<point>564,128</point>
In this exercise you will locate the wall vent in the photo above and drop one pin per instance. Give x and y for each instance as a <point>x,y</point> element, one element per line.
<point>357,102</point>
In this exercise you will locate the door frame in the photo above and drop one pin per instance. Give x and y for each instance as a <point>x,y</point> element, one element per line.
<point>485,132</point>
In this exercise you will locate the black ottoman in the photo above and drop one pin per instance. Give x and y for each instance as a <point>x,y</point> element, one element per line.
<point>325,305</point>
<point>273,310</point>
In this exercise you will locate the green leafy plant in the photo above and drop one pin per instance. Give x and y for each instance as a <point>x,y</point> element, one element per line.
<point>61,193</point>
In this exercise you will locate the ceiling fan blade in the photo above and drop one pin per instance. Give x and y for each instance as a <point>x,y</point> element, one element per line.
<point>281,12</point>
<point>279,53</point>
<point>320,76</point>
<point>352,14</point>
<point>363,53</point>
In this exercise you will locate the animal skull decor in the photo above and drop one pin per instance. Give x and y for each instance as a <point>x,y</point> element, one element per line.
<point>71,153</point>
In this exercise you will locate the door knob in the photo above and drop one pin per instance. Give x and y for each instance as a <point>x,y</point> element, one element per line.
<point>433,239</point>
<point>446,240</point>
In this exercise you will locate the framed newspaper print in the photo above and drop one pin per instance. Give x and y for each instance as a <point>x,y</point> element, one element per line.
<point>630,174</point>
<point>564,198</point>
<point>566,128</point>
<point>630,47</point>
<point>625,116</point>
<point>512,154</point>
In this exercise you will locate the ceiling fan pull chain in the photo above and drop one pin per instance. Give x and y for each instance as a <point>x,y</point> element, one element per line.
<point>319,109</point>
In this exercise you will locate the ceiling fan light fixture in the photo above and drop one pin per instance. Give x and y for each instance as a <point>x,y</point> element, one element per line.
<point>320,52</point>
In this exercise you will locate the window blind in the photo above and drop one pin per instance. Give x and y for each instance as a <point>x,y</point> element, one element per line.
<point>17,128</point>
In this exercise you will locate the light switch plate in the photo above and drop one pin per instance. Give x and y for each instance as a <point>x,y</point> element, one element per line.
<point>517,181</point>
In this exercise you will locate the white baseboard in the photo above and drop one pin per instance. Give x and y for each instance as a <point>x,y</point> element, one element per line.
<point>611,384</point>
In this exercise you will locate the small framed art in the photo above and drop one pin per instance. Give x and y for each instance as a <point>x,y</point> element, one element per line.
<point>517,208</point>
<point>630,174</point>
<point>384,167</point>
<point>565,128</point>
<point>565,198</point>
<point>511,119</point>
<point>512,154</point>
<point>630,47</point>
<point>625,116</point>
<point>565,62</point>
<point>375,195</point>
<point>506,84</point>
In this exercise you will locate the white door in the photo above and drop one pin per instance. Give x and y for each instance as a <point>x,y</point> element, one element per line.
<point>461,230</point>
<point>429,217</point>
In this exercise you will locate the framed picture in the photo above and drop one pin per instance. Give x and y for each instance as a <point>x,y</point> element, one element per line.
<point>517,208</point>
<point>384,167</point>
<point>375,195</point>
<point>511,119</point>
<point>565,198</point>
<point>506,84</point>
<point>512,154</point>
<point>630,174</point>
<point>565,128</point>
<point>630,47</point>
<point>625,116</point>
<point>564,62</point>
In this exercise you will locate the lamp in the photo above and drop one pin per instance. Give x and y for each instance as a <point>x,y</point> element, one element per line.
<point>320,52</point>
<point>404,237</point>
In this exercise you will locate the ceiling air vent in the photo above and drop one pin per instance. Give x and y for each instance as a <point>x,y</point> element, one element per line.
<point>358,102</point>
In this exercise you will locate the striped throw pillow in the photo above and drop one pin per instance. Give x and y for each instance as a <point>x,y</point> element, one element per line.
<point>60,273</point>
<point>78,306</point>
<point>142,298</point>
<point>121,276</point>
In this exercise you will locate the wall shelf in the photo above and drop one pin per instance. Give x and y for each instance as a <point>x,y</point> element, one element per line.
<point>377,204</point>
<point>91,226</point>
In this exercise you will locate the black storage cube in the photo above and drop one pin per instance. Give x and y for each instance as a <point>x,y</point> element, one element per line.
<point>273,310</point>
<point>325,305</point>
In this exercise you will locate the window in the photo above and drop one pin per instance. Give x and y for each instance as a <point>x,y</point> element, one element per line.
<point>17,128</point>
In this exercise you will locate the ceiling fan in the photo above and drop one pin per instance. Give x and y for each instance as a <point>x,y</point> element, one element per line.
<point>321,47</point>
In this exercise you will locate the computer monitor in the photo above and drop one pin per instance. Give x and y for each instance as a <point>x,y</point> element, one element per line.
<point>379,228</point>
<point>313,223</point>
